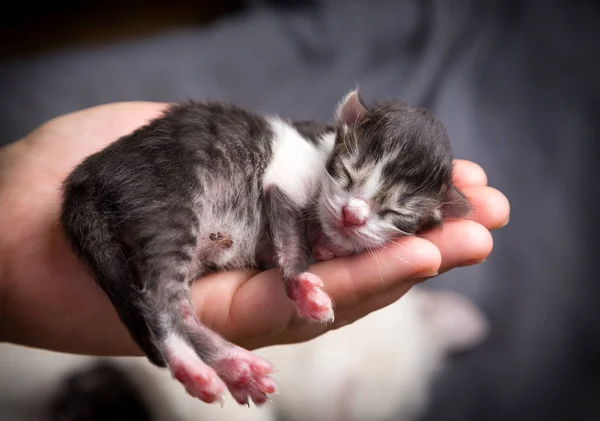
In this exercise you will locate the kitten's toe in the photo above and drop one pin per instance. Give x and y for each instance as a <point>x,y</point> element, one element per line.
<point>199,380</point>
<point>246,375</point>
<point>322,253</point>
<point>312,303</point>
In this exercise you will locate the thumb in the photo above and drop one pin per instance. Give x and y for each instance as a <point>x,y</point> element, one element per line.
<point>355,279</point>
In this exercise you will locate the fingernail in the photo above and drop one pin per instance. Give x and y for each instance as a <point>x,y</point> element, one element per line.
<point>472,262</point>
<point>425,274</point>
<point>505,224</point>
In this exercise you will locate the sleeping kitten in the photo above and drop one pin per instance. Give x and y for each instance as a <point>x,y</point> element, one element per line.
<point>212,186</point>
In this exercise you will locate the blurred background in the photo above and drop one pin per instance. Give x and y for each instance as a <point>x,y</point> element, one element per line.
<point>515,82</point>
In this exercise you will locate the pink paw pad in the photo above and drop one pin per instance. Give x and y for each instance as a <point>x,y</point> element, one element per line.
<point>246,375</point>
<point>200,381</point>
<point>311,301</point>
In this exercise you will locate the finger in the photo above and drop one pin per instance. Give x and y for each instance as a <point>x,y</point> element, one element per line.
<point>365,283</point>
<point>490,207</point>
<point>349,281</point>
<point>301,330</point>
<point>354,279</point>
<point>461,243</point>
<point>242,302</point>
<point>377,302</point>
<point>467,173</point>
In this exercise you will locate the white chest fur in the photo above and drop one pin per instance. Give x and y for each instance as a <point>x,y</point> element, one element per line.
<point>297,165</point>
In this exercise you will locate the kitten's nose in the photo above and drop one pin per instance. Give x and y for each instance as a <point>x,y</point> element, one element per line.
<point>355,212</point>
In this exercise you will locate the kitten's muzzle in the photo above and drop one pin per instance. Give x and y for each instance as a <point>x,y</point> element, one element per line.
<point>355,213</point>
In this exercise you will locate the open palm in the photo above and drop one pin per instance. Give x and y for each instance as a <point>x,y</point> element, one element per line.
<point>48,300</point>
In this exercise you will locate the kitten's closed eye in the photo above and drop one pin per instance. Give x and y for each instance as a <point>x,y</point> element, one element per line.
<point>407,224</point>
<point>389,213</point>
<point>348,181</point>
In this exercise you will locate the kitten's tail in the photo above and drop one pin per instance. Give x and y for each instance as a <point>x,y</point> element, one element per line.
<point>88,231</point>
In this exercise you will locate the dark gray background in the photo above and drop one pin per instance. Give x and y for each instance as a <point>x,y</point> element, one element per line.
<point>515,82</point>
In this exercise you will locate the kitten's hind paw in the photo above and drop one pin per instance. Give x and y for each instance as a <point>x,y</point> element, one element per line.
<point>246,375</point>
<point>312,303</point>
<point>199,380</point>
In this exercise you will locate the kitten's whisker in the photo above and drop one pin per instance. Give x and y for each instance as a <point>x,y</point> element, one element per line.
<point>372,253</point>
<point>398,257</point>
<point>369,238</point>
<point>402,260</point>
<point>402,246</point>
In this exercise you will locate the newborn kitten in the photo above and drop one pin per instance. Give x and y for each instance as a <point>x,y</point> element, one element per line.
<point>212,186</point>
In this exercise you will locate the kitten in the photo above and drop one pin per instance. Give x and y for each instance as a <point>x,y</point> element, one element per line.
<point>211,186</point>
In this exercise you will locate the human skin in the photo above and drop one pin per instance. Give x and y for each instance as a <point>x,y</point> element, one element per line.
<point>48,300</point>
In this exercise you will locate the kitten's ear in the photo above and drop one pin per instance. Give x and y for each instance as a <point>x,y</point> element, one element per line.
<point>351,111</point>
<point>455,203</point>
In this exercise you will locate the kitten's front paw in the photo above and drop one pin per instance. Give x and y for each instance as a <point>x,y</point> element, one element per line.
<point>322,253</point>
<point>246,375</point>
<point>312,303</point>
<point>323,249</point>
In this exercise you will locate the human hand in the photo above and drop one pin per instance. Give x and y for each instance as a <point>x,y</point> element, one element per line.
<point>48,300</point>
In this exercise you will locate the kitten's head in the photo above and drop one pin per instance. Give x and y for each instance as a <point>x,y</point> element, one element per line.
<point>390,174</point>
